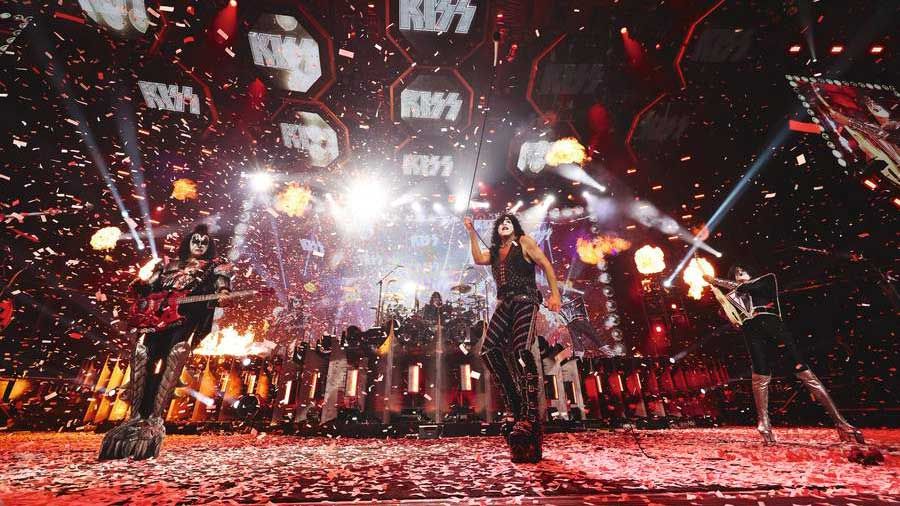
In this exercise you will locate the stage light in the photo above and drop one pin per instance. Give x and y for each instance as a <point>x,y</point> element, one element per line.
<point>795,49</point>
<point>549,199</point>
<point>261,182</point>
<point>876,49</point>
<point>516,207</point>
<point>459,203</point>
<point>232,3</point>
<point>365,200</point>
<point>658,329</point>
<point>837,49</point>
<point>624,30</point>
<point>871,184</point>
<point>896,201</point>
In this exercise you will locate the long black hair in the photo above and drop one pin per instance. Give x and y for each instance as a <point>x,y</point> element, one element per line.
<point>184,249</point>
<point>495,235</point>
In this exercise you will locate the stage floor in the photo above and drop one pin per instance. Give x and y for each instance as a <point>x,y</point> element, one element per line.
<point>683,466</point>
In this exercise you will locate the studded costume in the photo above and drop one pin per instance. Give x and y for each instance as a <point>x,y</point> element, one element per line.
<point>159,356</point>
<point>507,348</point>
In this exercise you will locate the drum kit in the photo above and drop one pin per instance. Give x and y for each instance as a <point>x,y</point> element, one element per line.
<point>460,318</point>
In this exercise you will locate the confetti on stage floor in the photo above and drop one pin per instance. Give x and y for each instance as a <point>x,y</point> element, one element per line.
<point>579,468</point>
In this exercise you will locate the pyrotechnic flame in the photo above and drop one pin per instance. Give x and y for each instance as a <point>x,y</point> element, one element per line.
<point>105,238</point>
<point>565,150</point>
<point>184,189</point>
<point>693,276</point>
<point>649,259</point>
<point>593,251</point>
<point>229,341</point>
<point>293,200</point>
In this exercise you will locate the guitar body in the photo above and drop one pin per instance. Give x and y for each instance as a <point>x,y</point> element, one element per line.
<point>157,311</point>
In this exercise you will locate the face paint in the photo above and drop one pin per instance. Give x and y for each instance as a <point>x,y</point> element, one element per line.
<point>741,275</point>
<point>506,228</point>
<point>199,245</point>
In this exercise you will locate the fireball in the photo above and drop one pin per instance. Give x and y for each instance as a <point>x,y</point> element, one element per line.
<point>105,238</point>
<point>565,150</point>
<point>593,251</point>
<point>229,341</point>
<point>649,259</point>
<point>293,200</point>
<point>693,276</point>
<point>184,189</point>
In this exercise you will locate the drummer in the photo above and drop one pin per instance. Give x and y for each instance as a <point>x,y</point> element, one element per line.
<point>432,311</point>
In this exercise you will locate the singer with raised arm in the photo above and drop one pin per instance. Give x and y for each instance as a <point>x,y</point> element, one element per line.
<point>752,304</point>
<point>162,347</point>
<point>506,351</point>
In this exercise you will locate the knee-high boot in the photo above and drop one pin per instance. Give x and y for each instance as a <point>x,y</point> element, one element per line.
<point>846,431</point>
<point>526,438</point>
<point>118,443</point>
<point>496,362</point>
<point>760,384</point>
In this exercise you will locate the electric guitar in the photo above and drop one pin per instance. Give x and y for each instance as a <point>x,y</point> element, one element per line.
<point>160,310</point>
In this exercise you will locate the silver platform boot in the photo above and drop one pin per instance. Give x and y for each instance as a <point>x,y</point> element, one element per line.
<point>761,399</point>
<point>846,431</point>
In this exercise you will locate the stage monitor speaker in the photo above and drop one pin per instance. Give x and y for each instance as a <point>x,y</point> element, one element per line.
<point>429,431</point>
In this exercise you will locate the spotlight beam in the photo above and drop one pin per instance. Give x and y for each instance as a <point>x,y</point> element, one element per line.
<point>128,136</point>
<point>42,47</point>
<point>734,195</point>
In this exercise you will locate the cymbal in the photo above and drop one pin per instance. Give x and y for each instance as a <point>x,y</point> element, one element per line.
<point>463,288</point>
<point>476,296</point>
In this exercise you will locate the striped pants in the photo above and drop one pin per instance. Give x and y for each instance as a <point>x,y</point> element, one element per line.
<point>507,354</point>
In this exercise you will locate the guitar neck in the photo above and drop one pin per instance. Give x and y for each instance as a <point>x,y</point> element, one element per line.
<point>214,296</point>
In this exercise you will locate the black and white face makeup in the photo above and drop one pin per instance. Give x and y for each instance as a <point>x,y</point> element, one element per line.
<point>199,245</point>
<point>741,275</point>
<point>505,229</point>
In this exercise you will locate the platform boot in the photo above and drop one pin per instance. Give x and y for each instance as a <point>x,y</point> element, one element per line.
<point>118,443</point>
<point>526,438</point>
<point>845,431</point>
<point>760,384</point>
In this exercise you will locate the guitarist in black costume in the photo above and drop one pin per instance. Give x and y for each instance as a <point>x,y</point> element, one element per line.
<point>160,355</point>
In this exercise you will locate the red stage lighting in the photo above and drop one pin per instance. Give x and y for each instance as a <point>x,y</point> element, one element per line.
<point>876,49</point>
<point>896,201</point>
<point>624,30</point>
<point>232,3</point>
<point>871,184</point>
<point>794,49</point>
<point>658,328</point>
<point>837,49</point>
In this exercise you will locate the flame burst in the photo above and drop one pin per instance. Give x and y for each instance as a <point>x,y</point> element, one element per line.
<point>649,259</point>
<point>106,238</point>
<point>293,200</point>
<point>593,251</point>
<point>565,150</point>
<point>229,341</point>
<point>184,189</point>
<point>693,276</point>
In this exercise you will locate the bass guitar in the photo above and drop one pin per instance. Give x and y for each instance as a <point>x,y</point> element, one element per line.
<point>159,311</point>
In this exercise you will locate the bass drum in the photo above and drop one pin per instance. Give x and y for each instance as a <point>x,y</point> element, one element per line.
<point>415,331</point>
<point>456,331</point>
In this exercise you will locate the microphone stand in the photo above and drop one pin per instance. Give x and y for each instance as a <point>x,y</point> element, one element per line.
<point>381,294</point>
